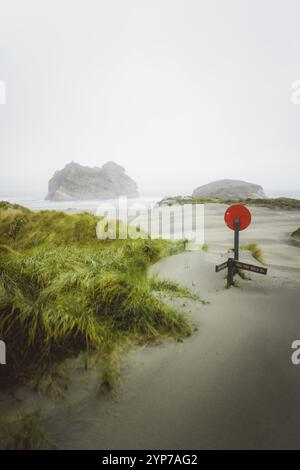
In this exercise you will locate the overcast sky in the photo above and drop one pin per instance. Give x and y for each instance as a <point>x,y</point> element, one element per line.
<point>179,92</point>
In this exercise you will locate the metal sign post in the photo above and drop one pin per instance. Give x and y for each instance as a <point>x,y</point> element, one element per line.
<point>237,217</point>
<point>236,237</point>
<point>233,265</point>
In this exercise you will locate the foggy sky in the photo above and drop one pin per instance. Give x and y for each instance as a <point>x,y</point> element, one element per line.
<point>179,92</point>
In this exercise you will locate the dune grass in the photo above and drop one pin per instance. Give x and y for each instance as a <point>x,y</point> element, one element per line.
<point>63,291</point>
<point>24,432</point>
<point>255,251</point>
<point>171,288</point>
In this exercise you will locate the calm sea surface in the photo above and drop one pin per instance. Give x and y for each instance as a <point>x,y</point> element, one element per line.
<point>37,201</point>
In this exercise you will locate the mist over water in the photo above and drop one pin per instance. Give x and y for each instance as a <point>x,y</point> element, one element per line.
<point>179,93</point>
<point>37,201</point>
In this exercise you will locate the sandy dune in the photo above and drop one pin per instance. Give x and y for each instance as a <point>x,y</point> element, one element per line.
<point>232,383</point>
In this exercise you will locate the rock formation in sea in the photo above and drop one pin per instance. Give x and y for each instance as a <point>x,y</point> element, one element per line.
<point>77,182</point>
<point>230,189</point>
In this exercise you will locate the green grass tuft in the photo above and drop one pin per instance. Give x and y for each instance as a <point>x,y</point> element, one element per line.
<point>255,251</point>
<point>24,432</point>
<point>171,288</point>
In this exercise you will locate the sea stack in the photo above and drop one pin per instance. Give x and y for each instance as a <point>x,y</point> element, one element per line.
<point>77,182</point>
<point>230,189</point>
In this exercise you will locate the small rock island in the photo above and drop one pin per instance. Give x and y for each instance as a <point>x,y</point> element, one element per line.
<point>77,182</point>
<point>230,189</point>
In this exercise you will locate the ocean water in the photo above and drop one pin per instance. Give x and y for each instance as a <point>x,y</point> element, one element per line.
<point>37,202</point>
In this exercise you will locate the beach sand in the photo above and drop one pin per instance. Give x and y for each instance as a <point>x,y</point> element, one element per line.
<point>230,385</point>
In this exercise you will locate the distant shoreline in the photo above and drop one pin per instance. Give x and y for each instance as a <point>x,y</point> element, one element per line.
<point>37,202</point>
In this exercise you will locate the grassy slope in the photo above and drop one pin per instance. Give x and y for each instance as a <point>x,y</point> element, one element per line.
<point>62,291</point>
<point>271,203</point>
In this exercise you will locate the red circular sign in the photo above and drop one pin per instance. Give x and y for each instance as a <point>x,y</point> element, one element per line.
<point>237,211</point>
